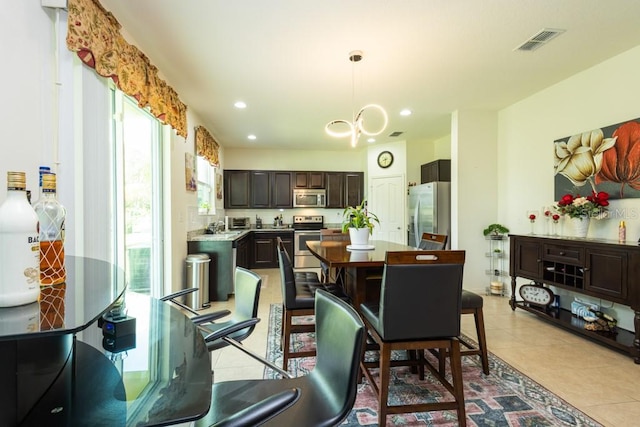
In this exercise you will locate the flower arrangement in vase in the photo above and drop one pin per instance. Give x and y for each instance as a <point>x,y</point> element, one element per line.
<point>582,208</point>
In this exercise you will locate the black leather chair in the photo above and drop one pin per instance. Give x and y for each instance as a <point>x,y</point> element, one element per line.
<point>471,304</point>
<point>325,396</point>
<point>246,299</point>
<point>326,275</point>
<point>298,293</point>
<point>419,308</point>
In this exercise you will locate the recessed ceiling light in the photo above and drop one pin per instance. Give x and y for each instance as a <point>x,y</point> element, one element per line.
<point>251,137</point>
<point>371,140</point>
<point>405,112</point>
<point>240,105</point>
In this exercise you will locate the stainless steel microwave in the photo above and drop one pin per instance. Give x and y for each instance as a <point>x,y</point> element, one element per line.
<point>303,198</point>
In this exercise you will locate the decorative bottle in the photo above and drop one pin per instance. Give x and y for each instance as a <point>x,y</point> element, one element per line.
<point>51,215</point>
<point>19,249</point>
<point>622,232</point>
<point>42,171</point>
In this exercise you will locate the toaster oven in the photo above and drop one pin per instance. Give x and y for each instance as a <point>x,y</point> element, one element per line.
<point>239,223</point>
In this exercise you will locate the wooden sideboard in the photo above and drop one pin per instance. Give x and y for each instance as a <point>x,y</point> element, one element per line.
<point>603,269</point>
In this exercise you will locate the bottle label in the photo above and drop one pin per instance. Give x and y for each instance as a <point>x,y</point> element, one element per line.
<point>20,272</point>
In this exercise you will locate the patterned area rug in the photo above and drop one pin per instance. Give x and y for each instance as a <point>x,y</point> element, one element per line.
<point>505,397</point>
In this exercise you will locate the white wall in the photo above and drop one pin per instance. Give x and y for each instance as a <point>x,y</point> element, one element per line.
<point>603,95</point>
<point>26,109</point>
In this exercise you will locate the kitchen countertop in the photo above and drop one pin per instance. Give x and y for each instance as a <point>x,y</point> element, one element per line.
<point>231,235</point>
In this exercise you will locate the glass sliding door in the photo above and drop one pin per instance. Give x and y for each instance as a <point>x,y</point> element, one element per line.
<point>138,168</point>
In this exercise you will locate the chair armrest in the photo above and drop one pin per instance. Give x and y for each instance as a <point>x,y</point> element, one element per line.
<point>206,318</point>
<point>178,294</point>
<point>262,411</point>
<point>231,329</point>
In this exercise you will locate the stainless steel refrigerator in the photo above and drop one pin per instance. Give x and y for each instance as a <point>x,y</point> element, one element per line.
<point>429,210</point>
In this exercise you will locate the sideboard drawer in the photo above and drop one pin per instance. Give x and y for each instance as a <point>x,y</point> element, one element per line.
<point>566,254</point>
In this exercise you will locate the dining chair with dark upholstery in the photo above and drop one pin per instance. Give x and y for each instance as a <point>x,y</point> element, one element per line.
<point>298,294</point>
<point>324,397</point>
<point>419,308</point>
<point>326,275</point>
<point>471,304</point>
<point>246,299</point>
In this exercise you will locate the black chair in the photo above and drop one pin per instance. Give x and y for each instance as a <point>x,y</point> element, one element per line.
<point>324,397</point>
<point>298,293</point>
<point>433,242</point>
<point>419,308</point>
<point>247,296</point>
<point>326,275</point>
<point>471,304</point>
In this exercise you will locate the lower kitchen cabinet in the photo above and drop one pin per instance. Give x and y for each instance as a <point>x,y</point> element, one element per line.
<point>221,267</point>
<point>265,247</point>
<point>243,251</point>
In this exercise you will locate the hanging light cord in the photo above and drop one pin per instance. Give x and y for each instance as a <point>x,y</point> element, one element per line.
<point>356,127</point>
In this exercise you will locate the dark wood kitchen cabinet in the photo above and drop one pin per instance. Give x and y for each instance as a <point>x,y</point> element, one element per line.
<point>243,251</point>
<point>602,269</point>
<point>344,189</point>
<point>308,179</point>
<point>281,192</point>
<point>265,246</point>
<point>258,189</point>
<point>236,189</point>
<point>335,189</point>
<point>438,170</point>
<point>353,188</point>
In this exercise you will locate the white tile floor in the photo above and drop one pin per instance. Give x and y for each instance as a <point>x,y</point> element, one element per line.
<point>602,383</point>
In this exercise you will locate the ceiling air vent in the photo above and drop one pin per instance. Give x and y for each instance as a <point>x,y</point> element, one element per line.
<point>541,38</point>
<point>396,133</point>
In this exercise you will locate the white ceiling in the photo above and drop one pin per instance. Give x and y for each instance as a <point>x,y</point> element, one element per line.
<point>288,59</point>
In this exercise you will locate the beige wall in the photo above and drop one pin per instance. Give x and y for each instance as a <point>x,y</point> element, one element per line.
<point>602,95</point>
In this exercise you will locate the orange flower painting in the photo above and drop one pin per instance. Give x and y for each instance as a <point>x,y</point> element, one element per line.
<point>600,160</point>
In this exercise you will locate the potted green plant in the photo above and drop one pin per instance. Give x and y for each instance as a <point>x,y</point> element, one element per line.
<point>359,222</point>
<point>495,230</point>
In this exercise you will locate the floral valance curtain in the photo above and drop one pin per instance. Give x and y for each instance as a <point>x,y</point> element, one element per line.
<point>207,147</point>
<point>95,35</point>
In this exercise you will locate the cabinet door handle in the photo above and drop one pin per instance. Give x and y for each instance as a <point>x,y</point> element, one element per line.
<point>586,269</point>
<point>538,260</point>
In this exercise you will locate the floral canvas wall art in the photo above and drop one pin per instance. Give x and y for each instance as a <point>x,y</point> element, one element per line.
<point>606,159</point>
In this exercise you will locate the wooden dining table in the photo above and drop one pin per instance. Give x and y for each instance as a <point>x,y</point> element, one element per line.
<point>361,270</point>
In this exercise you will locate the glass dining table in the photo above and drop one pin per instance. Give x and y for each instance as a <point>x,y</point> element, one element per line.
<point>58,367</point>
<point>362,269</point>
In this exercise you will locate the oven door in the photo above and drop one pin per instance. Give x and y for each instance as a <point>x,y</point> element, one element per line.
<point>302,257</point>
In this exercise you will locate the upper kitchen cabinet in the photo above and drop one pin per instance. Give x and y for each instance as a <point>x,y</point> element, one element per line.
<point>344,189</point>
<point>281,193</point>
<point>335,189</point>
<point>257,189</point>
<point>308,179</point>
<point>438,170</point>
<point>353,188</point>
<point>236,189</point>
<point>271,189</point>
<point>260,189</point>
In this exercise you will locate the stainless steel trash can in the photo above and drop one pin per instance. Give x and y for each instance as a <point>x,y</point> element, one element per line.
<point>198,277</point>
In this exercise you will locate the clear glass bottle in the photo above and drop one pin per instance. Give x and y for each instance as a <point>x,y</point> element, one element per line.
<point>41,172</point>
<point>51,215</point>
<point>19,248</point>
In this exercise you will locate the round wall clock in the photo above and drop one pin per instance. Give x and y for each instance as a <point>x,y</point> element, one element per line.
<point>538,295</point>
<point>385,159</point>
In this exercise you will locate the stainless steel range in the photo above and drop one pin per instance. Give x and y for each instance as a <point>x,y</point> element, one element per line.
<point>305,228</point>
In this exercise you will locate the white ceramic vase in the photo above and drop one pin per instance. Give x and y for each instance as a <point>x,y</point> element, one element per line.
<point>359,236</point>
<point>580,226</point>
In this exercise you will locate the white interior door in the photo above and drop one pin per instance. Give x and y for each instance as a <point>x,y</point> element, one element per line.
<point>387,199</point>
